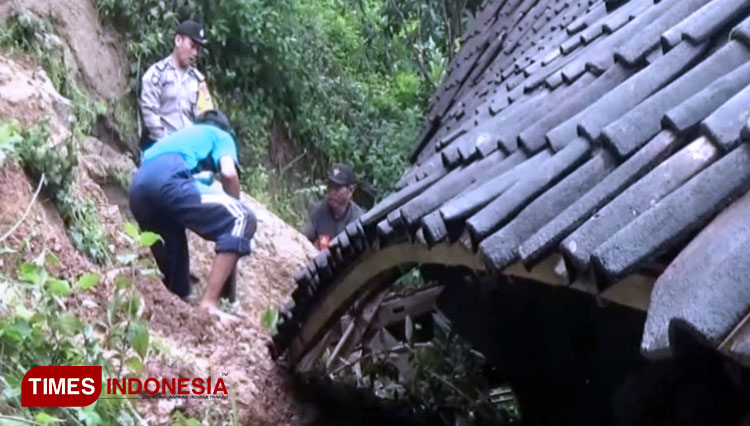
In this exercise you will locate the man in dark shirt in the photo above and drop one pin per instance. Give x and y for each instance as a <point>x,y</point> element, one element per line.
<point>330,216</point>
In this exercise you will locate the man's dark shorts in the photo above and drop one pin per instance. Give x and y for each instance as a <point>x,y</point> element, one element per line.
<point>165,199</point>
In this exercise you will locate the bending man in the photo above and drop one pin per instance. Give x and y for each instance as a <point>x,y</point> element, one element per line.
<point>165,198</point>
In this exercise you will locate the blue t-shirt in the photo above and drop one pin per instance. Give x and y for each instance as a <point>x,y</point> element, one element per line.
<point>196,143</point>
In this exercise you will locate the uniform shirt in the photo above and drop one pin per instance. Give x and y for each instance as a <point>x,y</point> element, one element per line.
<point>201,144</point>
<point>169,97</point>
<point>322,223</point>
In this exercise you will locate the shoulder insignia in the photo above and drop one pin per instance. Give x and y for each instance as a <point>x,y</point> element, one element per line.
<point>197,74</point>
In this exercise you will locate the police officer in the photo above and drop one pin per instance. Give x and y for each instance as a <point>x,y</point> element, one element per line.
<point>330,216</point>
<point>173,89</point>
<point>165,198</point>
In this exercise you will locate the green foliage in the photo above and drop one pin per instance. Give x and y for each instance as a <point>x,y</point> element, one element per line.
<point>124,114</point>
<point>443,374</point>
<point>57,165</point>
<point>138,335</point>
<point>26,33</point>
<point>179,419</point>
<point>87,282</point>
<point>35,329</point>
<point>85,229</point>
<point>342,75</point>
<point>269,319</point>
<point>126,330</point>
<point>10,138</point>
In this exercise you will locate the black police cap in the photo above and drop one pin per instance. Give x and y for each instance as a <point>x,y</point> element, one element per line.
<point>193,30</point>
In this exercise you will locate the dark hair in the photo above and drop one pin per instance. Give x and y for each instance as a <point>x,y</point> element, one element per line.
<point>216,118</point>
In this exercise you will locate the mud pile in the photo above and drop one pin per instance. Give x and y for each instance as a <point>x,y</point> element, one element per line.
<point>191,343</point>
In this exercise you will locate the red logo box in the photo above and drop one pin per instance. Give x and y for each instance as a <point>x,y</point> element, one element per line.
<point>62,386</point>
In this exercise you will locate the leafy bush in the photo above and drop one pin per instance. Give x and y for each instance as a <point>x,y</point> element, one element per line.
<point>36,329</point>
<point>38,326</point>
<point>57,165</point>
<point>26,33</point>
<point>341,74</point>
<point>441,373</point>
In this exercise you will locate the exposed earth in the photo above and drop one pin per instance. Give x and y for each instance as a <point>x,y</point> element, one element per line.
<point>187,341</point>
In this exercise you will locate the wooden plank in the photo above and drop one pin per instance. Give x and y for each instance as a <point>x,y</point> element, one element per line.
<point>395,310</point>
<point>372,267</point>
<point>357,328</point>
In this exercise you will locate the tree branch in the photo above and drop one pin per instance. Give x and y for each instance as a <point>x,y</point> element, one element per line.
<point>28,209</point>
<point>449,31</point>
<point>417,53</point>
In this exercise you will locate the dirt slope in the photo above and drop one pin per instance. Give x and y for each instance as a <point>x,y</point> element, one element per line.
<point>192,343</point>
<point>95,50</point>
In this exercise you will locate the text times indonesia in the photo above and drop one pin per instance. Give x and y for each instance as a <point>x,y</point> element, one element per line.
<point>79,386</point>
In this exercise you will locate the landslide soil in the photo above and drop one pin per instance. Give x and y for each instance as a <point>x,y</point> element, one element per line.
<point>186,341</point>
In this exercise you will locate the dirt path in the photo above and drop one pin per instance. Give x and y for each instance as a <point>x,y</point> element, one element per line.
<point>185,341</point>
<point>207,346</point>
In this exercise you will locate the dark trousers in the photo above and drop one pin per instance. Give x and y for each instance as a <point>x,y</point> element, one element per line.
<point>165,199</point>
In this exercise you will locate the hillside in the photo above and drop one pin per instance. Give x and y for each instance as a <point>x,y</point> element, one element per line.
<point>86,209</point>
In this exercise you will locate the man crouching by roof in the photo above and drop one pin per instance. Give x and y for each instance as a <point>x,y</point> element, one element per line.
<point>165,198</point>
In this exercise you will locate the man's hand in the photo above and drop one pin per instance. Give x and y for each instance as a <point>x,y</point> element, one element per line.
<point>230,180</point>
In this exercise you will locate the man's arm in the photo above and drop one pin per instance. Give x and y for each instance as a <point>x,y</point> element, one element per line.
<point>230,180</point>
<point>309,231</point>
<point>150,103</point>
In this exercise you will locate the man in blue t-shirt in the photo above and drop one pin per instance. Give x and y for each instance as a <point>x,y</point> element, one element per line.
<point>165,198</point>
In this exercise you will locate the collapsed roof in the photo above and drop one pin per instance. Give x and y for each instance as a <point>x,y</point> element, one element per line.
<point>585,143</point>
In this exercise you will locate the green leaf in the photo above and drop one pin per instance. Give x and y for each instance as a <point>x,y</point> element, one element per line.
<point>138,337</point>
<point>12,389</point>
<point>147,239</point>
<point>88,281</point>
<point>70,324</point>
<point>132,305</point>
<point>32,273</point>
<point>51,259</point>
<point>45,419</point>
<point>89,416</point>
<point>59,287</point>
<point>269,319</point>
<point>131,230</point>
<point>17,332</point>
<point>122,282</point>
<point>135,365</point>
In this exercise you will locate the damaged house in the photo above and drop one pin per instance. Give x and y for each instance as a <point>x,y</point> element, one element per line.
<point>580,192</point>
